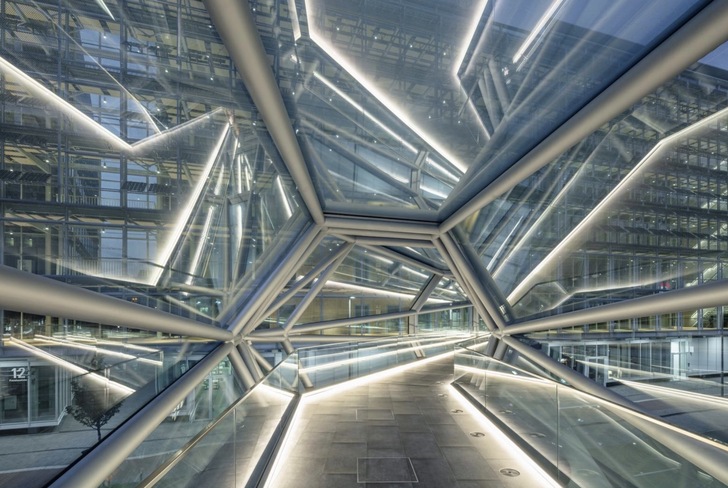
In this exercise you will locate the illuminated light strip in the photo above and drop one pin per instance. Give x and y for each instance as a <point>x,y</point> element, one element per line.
<point>378,376</point>
<point>106,9</point>
<point>414,272</point>
<point>298,424</point>
<point>376,291</point>
<point>376,192</point>
<point>259,448</point>
<point>286,205</point>
<point>72,367</point>
<point>505,442</point>
<point>368,346</point>
<point>503,245</point>
<point>660,423</point>
<point>106,352</point>
<point>40,91</point>
<point>344,362</point>
<point>380,258</point>
<point>187,211</point>
<point>441,169</point>
<point>537,29</point>
<point>378,94</point>
<point>713,400</point>
<point>201,246</point>
<point>141,145</point>
<point>361,109</point>
<point>110,343</point>
<point>470,32</point>
<point>293,14</point>
<point>432,191</point>
<point>143,110</point>
<point>511,377</point>
<point>604,205</point>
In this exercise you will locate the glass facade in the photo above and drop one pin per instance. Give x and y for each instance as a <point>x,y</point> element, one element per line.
<point>200,200</point>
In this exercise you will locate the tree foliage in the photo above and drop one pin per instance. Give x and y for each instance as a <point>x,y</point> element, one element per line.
<point>93,405</point>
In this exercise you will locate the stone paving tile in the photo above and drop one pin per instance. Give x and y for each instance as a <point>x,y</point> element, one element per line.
<point>407,416</point>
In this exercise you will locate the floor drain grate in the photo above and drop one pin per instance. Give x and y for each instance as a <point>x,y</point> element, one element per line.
<point>510,472</point>
<point>477,434</point>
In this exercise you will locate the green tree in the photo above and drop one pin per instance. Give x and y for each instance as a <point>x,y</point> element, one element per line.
<point>93,404</point>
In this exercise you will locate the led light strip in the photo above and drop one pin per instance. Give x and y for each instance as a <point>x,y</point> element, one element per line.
<point>505,442</point>
<point>548,15</point>
<point>106,352</point>
<point>375,91</point>
<point>605,205</point>
<point>187,211</point>
<point>125,390</point>
<point>38,90</point>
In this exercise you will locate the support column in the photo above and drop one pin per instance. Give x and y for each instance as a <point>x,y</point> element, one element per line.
<point>241,369</point>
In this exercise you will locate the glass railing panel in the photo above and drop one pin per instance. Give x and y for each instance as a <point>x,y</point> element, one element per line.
<point>204,404</point>
<point>62,394</point>
<point>343,362</point>
<point>588,441</point>
<point>228,454</point>
<point>603,445</point>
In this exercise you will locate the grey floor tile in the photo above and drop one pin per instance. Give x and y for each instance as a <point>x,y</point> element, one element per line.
<point>420,445</point>
<point>467,464</point>
<point>385,470</point>
<point>433,473</point>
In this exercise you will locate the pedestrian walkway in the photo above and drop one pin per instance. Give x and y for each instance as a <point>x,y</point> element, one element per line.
<point>408,429</point>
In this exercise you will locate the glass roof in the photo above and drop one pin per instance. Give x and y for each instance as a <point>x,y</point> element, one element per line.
<point>396,102</point>
<point>150,182</point>
<point>605,219</point>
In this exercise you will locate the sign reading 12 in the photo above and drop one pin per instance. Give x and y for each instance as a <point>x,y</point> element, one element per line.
<point>19,374</point>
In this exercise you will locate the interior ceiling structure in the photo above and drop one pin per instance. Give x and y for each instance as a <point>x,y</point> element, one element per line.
<point>263,171</point>
<point>436,154</point>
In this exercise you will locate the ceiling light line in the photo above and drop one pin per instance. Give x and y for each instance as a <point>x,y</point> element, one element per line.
<point>284,198</point>
<point>537,29</point>
<point>475,18</point>
<point>40,91</point>
<point>361,109</point>
<point>699,36</point>
<point>293,14</point>
<point>329,324</point>
<point>142,145</point>
<point>377,93</point>
<point>100,350</point>
<point>407,259</point>
<point>607,203</point>
<point>101,4</point>
<point>186,213</point>
<point>101,380</point>
<point>125,345</point>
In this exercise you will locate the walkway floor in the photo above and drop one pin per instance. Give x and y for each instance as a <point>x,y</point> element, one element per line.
<point>408,430</point>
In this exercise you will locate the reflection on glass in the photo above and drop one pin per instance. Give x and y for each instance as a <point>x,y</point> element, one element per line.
<point>586,441</point>
<point>203,404</point>
<point>71,389</point>
<point>588,229</point>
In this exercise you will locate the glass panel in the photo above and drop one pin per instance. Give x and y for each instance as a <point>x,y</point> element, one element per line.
<point>65,389</point>
<point>587,441</point>
<point>207,401</point>
<point>230,451</point>
<point>628,212</point>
